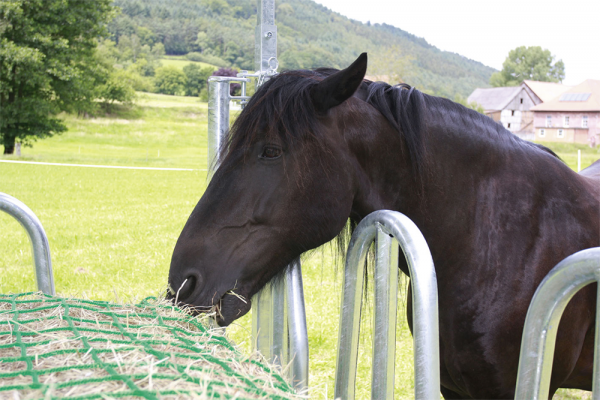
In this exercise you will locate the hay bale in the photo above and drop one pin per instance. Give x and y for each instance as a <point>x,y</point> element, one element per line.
<point>54,347</point>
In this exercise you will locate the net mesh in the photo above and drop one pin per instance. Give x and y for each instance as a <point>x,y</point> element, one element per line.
<point>54,347</point>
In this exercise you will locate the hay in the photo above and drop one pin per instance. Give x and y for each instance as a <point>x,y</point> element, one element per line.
<point>53,347</point>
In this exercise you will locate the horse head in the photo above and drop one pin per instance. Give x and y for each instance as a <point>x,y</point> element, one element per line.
<point>284,186</point>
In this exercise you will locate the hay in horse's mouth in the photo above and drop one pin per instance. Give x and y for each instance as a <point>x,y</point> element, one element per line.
<point>230,307</point>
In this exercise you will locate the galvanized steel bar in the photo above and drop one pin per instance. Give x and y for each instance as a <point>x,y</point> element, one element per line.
<point>218,118</point>
<point>349,328</point>
<point>38,238</point>
<point>424,299</point>
<point>596,367</point>
<point>298,351</point>
<point>542,321</point>
<point>265,53</point>
<point>279,329</point>
<point>269,323</point>
<point>385,303</point>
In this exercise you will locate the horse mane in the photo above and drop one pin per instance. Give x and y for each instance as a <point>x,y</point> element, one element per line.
<point>286,100</point>
<point>402,105</point>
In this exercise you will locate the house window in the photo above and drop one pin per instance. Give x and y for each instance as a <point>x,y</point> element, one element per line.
<point>584,121</point>
<point>508,125</point>
<point>548,121</point>
<point>542,132</point>
<point>560,133</point>
<point>512,113</point>
<point>521,101</point>
<point>566,122</point>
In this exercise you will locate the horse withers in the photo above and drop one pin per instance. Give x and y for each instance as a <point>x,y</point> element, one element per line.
<point>313,149</point>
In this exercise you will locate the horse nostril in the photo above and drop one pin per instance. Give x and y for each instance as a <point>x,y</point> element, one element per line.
<point>186,289</point>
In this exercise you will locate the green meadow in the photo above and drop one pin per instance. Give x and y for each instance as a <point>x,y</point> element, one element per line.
<point>181,61</point>
<point>112,231</point>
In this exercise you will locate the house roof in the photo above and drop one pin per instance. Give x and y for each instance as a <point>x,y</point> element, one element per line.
<point>546,91</point>
<point>494,99</point>
<point>583,97</point>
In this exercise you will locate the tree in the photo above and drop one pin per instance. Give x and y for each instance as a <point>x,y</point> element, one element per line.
<point>196,78</point>
<point>533,63</point>
<point>118,87</point>
<point>47,65</point>
<point>170,80</point>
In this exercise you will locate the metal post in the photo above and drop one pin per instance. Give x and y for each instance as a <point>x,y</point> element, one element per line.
<point>265,35</point>
<point>218,118</point>
<point>269,328</point>
<point>543,318</point>
<point>38,238</point>
<point>386,301</point>
<point>425,308</point>
<point>296,317</point>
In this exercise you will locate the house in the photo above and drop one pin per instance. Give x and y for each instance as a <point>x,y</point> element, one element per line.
<point>573,116</point>
<point>511,105</point>
<point>544,91</point>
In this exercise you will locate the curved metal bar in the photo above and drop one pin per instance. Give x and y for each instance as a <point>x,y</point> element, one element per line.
<point>425,309</point>
<point>38,238</point>
<point>543,317</point>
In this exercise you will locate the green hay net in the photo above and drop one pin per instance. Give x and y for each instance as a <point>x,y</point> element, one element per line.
<point>54,347</point>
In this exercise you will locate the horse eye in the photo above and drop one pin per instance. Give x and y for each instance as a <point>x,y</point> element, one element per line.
<point>271,152</point>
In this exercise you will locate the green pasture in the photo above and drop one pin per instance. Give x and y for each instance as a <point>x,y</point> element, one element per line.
<point>112,231</point>
<point>160,131</point>
<point>181,61</point>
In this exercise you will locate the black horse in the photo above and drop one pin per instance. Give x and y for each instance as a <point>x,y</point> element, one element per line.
<point>314,148</point>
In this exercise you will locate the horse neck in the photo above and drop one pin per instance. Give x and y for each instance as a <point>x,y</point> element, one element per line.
<point>463,153</point>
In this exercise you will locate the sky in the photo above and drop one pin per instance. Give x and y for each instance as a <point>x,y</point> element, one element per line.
<point>486,31</point>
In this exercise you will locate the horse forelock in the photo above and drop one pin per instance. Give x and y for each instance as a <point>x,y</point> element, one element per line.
<point>280,110</point>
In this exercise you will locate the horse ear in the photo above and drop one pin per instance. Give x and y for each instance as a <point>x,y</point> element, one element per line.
<point>339,87</point>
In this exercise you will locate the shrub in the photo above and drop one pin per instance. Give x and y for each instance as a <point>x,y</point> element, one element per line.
<point>194,56</point>
<point>118,87</point>
<point>170,80</point>
<point>196,78</point>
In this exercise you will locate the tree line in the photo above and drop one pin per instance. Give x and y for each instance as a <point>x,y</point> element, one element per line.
<point>85,56</point>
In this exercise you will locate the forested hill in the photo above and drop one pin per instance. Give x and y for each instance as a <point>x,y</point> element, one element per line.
<point>221,32</point>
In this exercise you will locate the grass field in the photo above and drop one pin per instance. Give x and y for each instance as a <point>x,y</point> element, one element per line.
<point>112,231</point>
<point>181,61</point>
